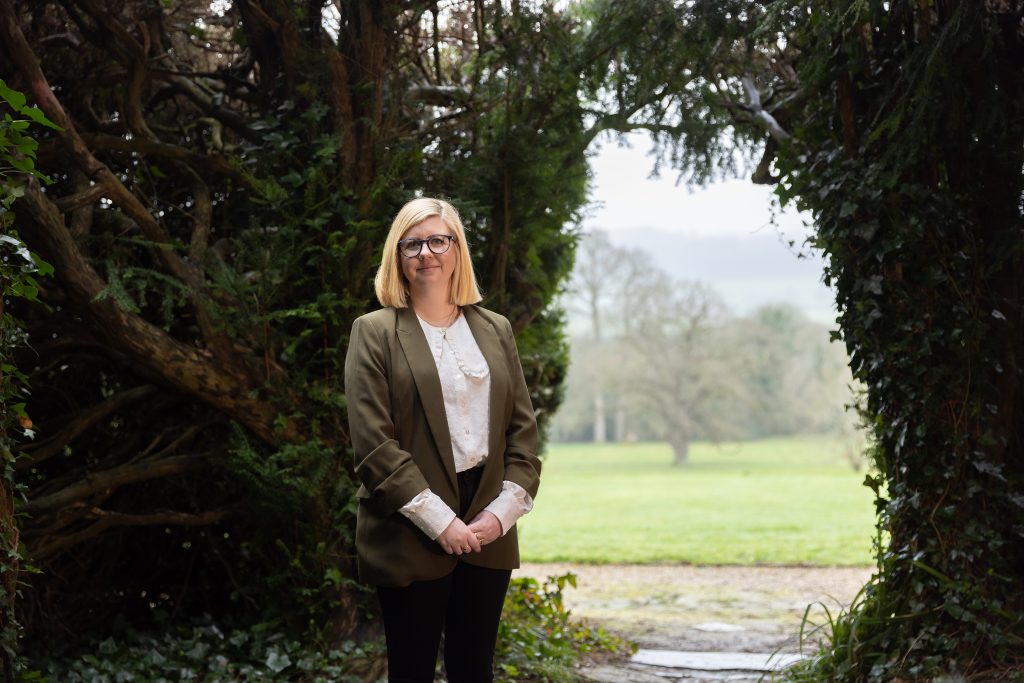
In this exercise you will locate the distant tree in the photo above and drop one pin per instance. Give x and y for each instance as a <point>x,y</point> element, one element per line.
<point>595,278</point>
<point>797,379</point>
<point>676,366</point>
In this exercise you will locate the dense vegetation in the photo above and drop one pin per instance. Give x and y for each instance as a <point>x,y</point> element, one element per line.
<point>909,154</point>
<point>222,182</point>
<point>223,178</point>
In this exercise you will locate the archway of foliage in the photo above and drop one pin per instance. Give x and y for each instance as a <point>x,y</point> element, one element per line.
<point>223,184</point>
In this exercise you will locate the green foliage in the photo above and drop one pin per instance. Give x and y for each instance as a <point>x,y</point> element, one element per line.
<point>17,147</point>
<point>537,643</point>
<point>518,177</point>
<point>302,508</point>
<point>19,268</point>
<point>909,158</point>
<point>210,653</point>
<point>537,640</point>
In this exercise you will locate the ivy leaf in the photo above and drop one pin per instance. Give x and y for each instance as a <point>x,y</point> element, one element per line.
<point>37,115</point>
<point>990,468</point>
<point>13,97</point>
<point>278,662</point>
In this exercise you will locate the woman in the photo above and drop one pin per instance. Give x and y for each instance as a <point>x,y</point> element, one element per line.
<point>445,440</point>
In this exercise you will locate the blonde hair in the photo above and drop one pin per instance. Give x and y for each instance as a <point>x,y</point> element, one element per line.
<point>390,283</point>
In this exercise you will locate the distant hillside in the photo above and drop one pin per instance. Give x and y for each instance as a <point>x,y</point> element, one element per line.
<point>748,270</point>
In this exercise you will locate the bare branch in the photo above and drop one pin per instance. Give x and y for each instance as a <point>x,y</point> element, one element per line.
<point>83,421</point>
<point>759,114</point>
<point>73,202</point>
<point>107,519</point>
<point>115,478</point>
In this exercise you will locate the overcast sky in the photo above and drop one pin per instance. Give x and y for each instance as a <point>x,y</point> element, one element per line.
<point>721,234</point>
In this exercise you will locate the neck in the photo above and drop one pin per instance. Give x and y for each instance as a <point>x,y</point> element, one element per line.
<point>432,305</point>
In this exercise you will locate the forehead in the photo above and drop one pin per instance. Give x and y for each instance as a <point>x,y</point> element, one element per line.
<point>428,226</point>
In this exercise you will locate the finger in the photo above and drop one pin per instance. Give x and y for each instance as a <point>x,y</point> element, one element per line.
<point>474,542</point>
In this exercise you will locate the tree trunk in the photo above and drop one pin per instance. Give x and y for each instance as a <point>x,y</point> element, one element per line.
<point>680,449</point>
<point>600,434</point>
<point>9,563</point>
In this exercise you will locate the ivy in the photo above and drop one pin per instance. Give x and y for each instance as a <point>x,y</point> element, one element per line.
<point>19,269</point>
<point>908,155</point>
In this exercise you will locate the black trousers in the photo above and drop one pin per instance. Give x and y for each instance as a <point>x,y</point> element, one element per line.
<point>465,606</point>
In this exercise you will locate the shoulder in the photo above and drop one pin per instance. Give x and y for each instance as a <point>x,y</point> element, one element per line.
<point>374,327</point>
<point>381,318</point>
<point>499,321</point>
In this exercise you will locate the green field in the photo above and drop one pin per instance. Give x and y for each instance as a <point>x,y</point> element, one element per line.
<point>773,501</point>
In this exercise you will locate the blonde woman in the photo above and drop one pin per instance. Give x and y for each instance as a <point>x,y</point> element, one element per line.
<point>445,443</point>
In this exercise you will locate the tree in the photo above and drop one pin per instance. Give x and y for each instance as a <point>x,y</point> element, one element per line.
<point>909,156</point>
<point>798,380</point>
<point>677,367</point>
<point>223,180</point>
<point>898,125</point>
<point>655,350</point>
<point>596,277</point>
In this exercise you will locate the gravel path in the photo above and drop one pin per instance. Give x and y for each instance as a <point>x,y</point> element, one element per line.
<point>710,609</point>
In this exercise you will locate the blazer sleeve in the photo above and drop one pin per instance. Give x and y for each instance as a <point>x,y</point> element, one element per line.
<point>522,465</point>
<point>388,473</point>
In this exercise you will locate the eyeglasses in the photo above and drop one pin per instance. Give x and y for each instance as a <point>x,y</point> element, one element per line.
<point>437,244</point>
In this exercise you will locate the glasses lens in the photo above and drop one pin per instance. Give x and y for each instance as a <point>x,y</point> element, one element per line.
<point>410,248</point>
<point>438,243</point>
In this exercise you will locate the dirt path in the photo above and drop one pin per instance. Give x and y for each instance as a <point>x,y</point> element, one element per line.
<point>709,609</point>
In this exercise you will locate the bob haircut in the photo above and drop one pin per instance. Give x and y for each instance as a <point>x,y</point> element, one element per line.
<point>390,284</point>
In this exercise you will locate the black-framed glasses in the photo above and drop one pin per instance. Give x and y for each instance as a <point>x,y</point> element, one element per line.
<point>437,244</point>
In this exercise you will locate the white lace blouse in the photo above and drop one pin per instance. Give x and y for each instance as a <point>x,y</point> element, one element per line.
<point>466,386</point>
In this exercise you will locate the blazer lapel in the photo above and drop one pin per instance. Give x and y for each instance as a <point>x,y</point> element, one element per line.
<point>488,338</point>
<point>428,386</point>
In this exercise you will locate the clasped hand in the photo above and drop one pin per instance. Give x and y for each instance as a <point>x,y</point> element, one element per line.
<point>460,538</point>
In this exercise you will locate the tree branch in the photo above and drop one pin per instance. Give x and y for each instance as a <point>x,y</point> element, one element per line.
<point>27,63</point>
<point>759,114</point>
<point>115,478</point>
<point>82,422</point>
<point>107,519</point>
<point>183,366</point>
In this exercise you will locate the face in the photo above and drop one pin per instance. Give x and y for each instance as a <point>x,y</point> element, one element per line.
<point>429,270</point>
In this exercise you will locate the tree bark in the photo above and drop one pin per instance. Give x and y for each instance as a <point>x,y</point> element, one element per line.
<point>10,561</point>
<point>192,370</point>
<point>600,433</point>
<point>680,449</point>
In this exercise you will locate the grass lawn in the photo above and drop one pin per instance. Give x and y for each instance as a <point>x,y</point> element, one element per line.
<point>775,501</point>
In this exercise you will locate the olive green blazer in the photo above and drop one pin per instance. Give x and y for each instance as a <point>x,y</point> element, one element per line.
<point>401,443</point>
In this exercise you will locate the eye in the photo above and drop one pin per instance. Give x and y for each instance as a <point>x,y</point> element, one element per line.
<point>437,241</point>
